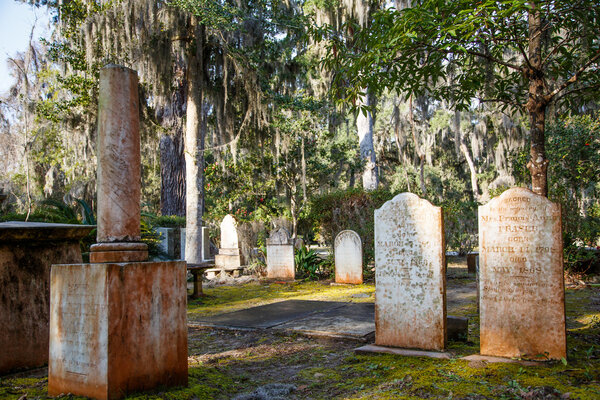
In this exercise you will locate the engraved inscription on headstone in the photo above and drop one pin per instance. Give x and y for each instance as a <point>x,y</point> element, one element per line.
<point>280,255</point>
<point>348,258</point>
<point>78,327</point>
<point>410,290</point>
<point>522,311</point>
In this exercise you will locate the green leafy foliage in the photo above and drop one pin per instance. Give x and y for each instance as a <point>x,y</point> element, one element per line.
<point>573,151</point>
<point>308,264</point>
<point>348,209</point>
<point>457,50</point>
<point>166,221</point>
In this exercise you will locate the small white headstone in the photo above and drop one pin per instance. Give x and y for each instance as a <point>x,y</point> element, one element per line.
<point>348,258</point>
<point>229,234</point>
<point>280,256</point>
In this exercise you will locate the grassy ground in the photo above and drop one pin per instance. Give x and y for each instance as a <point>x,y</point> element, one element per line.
<point>224,364</point>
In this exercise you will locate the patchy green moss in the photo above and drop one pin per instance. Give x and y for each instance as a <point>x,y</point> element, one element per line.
<point>226,363</point>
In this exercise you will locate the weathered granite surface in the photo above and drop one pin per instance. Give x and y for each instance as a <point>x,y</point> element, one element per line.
<point>348,258</point>
<point>119,159</point>
<point>522,296</point>
<point>410,290</point>
<point>117,328</point>
<point>27,250</point>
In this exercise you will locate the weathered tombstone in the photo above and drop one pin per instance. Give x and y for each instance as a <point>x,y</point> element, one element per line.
<point>348,258</point>
<point>117,325</point>
<point>280,256</point>
<point>170,241</point>
<point>229,251</point>
<point>472,260</point>
<point>27,250</point>
<point>410,290</point>
<point>521,300</point>
<point>205,244</point>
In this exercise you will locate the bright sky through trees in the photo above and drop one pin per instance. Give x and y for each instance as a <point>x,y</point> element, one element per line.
<point>16,20</point>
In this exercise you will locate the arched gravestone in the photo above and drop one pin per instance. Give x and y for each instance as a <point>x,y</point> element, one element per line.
<point>229,251</point>
<point>348,258</point>
<point>280,255</point>
<point>522,302</point>
<point>410,289</point>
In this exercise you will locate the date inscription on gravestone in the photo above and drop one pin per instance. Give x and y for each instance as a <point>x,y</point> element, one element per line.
<point>522,312</point>
<point>78,320</point>
<point>410,290</point>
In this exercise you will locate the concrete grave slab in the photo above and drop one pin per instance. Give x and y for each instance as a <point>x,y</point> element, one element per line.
<point>350,321</point>
<point>345,320</point>
<point>267,316</point>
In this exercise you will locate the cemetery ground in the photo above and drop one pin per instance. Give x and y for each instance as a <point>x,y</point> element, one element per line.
<point>225,364</point>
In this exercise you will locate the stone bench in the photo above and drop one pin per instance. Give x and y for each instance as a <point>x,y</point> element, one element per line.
<point>27,251</point>
<point>197,270</point>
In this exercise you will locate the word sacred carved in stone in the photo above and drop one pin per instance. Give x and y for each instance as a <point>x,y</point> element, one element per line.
<point>521,277</point>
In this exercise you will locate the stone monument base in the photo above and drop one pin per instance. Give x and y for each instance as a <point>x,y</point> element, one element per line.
<point>117,328</point>
<point>27,250</point>
<point>228,261</point>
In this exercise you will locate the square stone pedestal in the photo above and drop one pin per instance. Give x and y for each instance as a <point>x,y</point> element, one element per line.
<point>227,260</point>
<point>117,328</point>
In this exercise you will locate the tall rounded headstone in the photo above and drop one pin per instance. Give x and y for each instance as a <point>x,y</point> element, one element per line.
<point>522,295</point>
<point>410,280</point>
<point>348,258</point>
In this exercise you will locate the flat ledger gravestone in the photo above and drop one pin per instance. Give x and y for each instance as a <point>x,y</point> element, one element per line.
<point>522,302</point>
<point>410,290</point>
<point>348,258</point>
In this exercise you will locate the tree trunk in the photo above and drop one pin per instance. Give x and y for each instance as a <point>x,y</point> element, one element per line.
<point>537,104</point>
<point>304,199</point>
<point>194,152</point>
<point>364,127</point>
<point>172,175</point>
<point>474,186</point>
<point>420,155</point>
<point>459,139</point>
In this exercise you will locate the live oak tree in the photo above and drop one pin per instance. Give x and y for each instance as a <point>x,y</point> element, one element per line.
<point>528,56</point>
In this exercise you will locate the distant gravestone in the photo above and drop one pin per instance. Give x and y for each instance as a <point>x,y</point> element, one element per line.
<point>280,256</point>
<point>205,244</point>
<point>348,258</point>
<point>521,300</point>
<point>410,289</point>
<point>229,252</point>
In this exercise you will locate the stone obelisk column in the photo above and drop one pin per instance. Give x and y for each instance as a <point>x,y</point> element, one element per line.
<point>119,169</point>
<point>118,324</point>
